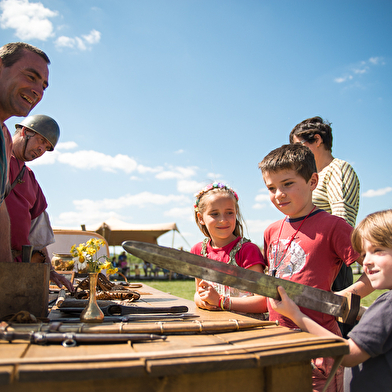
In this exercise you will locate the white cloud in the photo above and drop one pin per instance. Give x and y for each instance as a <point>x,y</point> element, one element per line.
<point>178,173</point>
<point>343,79</point>
<point>89,159</point>
<point>145,169</point>
<point>63,42</point>
<point>258,206</point>
<point>140,200</point>
<point>93,38</point>
<point>93,212</point>
<point>361,68</point>
<point>83,43</point>
<point>213,176</point>
<point>262,197</point>
<point>29,20</point>
<point>93,159</point>
<point>66,146</point>
<point>49,158</point>
<point>89,212</point>
<point>262,200</point>
<point>376,60</point>
<point>181,151</point>
<point>187,186</point>
<point>377,192</point>
<point>181,213</point>
<point>32,21</point>
<point>90,217</point>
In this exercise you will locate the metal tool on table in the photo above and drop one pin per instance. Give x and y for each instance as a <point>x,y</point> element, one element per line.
<point>72,317</point>
<point>70,339</point>
<point>121,310</point>
<point>345,308</point>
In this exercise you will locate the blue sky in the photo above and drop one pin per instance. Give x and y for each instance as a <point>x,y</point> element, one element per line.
<point>157,98</point>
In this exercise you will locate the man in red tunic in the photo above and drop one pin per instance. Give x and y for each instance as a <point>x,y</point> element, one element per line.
<point>26,202</point>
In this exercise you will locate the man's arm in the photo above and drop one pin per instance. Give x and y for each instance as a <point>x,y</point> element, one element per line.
<point>58,279</point>
<point>5,236</point>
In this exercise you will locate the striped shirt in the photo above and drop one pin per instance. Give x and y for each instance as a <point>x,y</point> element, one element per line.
<point>337,191</point>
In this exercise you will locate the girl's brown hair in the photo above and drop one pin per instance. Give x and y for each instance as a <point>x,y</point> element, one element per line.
<point>202,201</point>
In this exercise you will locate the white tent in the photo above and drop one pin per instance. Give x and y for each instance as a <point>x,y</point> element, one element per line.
<point>116,231</point>
<point>66,238</point>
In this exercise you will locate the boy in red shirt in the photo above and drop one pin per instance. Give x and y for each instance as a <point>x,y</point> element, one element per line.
<point>309,245</point>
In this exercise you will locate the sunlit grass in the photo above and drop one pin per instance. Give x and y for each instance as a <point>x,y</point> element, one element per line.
<point>180,288</point>
<point>367,301</point>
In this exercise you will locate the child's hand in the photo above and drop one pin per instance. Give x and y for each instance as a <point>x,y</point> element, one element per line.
<point>208,295</point>
<point>286,306</point>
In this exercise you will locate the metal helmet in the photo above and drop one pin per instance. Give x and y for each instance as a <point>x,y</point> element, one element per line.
<point>44,125</point>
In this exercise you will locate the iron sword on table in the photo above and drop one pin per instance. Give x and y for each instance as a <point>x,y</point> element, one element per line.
<point>70,339</point>
<point>345,309</point>
<point>120,310</point>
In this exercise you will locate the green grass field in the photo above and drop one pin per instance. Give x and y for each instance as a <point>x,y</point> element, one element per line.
<point>186,289</point>
<point>367,301</point>
<point>179,288</point>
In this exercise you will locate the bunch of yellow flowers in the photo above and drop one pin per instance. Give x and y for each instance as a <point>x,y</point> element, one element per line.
<point>84,257</point>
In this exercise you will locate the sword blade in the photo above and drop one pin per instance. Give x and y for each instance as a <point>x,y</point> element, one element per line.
<point>199,267</point>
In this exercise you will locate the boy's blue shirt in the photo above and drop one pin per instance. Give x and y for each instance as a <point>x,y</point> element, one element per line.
<point>374,335</point>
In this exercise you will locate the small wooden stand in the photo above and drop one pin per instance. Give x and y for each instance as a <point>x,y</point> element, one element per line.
<point>24,286</point>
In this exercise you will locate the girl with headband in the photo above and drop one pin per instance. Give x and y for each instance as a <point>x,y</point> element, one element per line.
<point>218,216</point>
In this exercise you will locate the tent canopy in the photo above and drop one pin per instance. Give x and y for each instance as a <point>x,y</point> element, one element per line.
<point>116,232</point>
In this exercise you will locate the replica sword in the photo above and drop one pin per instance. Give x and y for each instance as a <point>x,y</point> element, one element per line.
<point>344,308</point>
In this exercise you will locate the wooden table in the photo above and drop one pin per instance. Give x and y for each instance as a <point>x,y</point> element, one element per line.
<point>270,358</point>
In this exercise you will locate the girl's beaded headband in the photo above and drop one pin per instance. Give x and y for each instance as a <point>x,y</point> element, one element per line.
<point>214,185</point>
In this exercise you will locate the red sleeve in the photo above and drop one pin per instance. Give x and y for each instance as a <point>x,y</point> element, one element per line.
<point>40,204</point>
<point>250,255</point>
<point>196,249</point>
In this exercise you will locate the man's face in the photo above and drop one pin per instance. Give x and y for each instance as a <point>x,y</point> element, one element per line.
<point>22,85</point>
<point>36,146</point>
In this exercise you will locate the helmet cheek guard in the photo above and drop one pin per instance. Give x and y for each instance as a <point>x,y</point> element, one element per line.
<point>43,125</point>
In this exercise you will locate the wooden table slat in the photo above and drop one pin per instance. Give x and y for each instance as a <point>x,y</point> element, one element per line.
<point>224,360</point>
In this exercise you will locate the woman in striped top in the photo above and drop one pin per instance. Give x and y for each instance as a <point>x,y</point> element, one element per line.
<point>337,191</point>
<point>338,188</point>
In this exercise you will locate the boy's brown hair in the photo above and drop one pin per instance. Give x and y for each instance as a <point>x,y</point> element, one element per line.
<point>290,157</point>
<point>376,228</point>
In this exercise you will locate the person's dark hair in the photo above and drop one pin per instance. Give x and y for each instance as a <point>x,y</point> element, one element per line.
<point>290,157</point>
<point>310,127</point>
<point>13,52</point>
<point>376,228</point>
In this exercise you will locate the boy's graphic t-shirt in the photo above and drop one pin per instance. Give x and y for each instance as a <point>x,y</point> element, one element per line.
<point>311,255</point>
